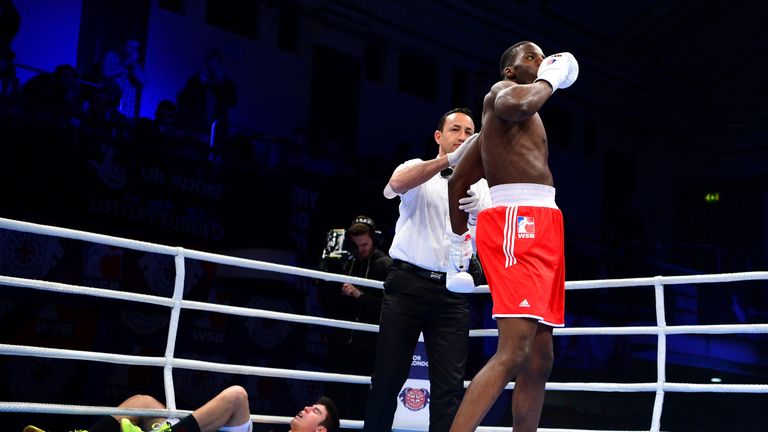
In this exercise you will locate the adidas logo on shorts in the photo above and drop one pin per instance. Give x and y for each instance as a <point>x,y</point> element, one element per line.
<point>524,303</point>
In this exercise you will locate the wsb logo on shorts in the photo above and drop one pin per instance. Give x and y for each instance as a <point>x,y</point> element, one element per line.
<point>526,227</point>
<point>414,399</point>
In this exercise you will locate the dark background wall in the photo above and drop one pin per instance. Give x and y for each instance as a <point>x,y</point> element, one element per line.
<point>332,96</point>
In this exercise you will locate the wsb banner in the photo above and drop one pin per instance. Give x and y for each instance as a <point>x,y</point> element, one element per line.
<point>413,400</point>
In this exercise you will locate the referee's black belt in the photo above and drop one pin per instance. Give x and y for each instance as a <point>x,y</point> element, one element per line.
<point>423,273</point>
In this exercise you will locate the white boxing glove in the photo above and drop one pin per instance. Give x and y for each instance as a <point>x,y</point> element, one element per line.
<point>559,70</point>
<point>455,156</point>
<point>458,279</point>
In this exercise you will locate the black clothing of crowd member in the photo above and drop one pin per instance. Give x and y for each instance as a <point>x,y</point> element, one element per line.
<point>353,351</point>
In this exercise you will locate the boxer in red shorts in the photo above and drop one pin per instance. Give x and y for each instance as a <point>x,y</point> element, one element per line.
<point>519,238</point>
<point>520,244</point>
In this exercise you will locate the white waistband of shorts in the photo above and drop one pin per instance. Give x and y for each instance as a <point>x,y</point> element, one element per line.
<point>523,194</point>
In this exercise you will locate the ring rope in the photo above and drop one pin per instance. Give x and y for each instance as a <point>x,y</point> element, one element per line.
<point>22,350</point>
<point>42,408</point>
<point>186,304</point>
<point>661,356</point>
<point>176,303</point>
<point>668,280</point>
<point>260,313</point>
<point>173,327</point>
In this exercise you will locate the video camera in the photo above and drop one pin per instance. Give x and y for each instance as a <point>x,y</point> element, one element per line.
<point>337,255</point>
<point>340,250</point>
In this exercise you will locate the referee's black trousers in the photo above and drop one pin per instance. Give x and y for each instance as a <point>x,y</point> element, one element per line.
<point>414,304</point>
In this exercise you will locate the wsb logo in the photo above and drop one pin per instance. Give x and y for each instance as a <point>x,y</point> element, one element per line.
<point>526,227</point>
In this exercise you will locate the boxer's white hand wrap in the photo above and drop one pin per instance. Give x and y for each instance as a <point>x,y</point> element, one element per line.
<point>455,156</point>
<point>559,70</point>
<point>459,254</point>
<point>472,229</point>
<point>471,204</point>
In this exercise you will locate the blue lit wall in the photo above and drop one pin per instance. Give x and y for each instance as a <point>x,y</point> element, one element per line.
<point>48,34</point>
<point>175,49</point>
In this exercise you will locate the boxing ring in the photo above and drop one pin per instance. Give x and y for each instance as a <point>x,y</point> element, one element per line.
<point>660,387</point>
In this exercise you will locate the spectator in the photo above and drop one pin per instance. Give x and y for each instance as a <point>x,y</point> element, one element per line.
<point>10,22</point>
<point>122,68</point>
<point>54,97</point>
<point>9,83</point>
<point>207,97</point>
<point>100,110</point>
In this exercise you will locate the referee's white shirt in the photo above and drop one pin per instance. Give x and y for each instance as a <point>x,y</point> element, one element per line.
<point>421,233</point>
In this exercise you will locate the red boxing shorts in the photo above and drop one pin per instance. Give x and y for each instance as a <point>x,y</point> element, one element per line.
<point>520,245</point>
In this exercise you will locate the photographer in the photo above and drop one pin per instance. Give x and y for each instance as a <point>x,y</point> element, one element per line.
<point>353,351</point>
